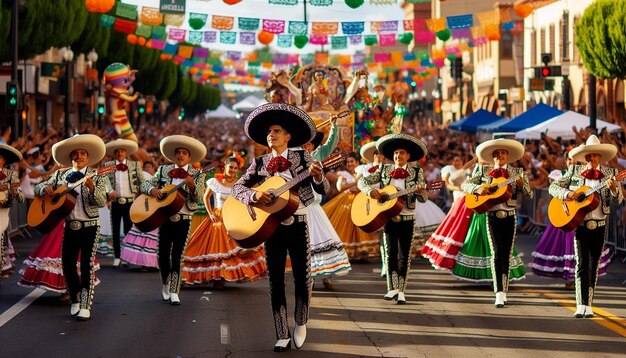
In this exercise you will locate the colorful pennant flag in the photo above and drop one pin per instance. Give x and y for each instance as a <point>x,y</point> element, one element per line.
<point>353,28</point>
<point>248,23</point>
<point>274,26</point>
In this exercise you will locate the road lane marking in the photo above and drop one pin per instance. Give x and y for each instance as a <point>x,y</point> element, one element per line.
<point>224,334</point>
<point>7,315</point>
<point>602,317</point>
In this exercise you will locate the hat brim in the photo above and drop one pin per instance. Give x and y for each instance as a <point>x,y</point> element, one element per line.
<point>10,154</point>
<point>607,151</point>
<point>92,144</point>
<point>484,151</point>
<point>317,140</point>
<point>295,121</point>
<point>129,145</point>
<point>196,149</point>
<point>389,143</point>
<point>367,151</point>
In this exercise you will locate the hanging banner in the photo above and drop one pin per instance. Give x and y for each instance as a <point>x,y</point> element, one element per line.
<point>195,37</point>
<point>233,55</point>
<point>284,41</point>
<point>201,52</point>
<point>339,42</point>
<point>159,32</point>
<point>247,38</point>
<point>151,16</point>
<point>383,26</point>
<point>174,20</point>
<point>171,6</point>
<point>435,25</point>
<point>321,2</point>
<point>488,17</point>
<point>324,28</point>
<point>228,37</point>
<point>297,28</point>
<point>387,40</point>
<point>126,11</point>
<point>274,26</point>
<point>460,21</point>
<point>210,36</point>
<point>352,28</point>
<point>284,2</point>
<point>177,35</point>
<point>197,21</point>
<point>248,23</point>
<point>383,2</point>
<point>144,31</point>
<point>222,22</point>
<point>318,40</point>
<point>355,39</point>
<point>185,51</point>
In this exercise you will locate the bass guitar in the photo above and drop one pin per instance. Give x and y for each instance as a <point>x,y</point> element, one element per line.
<point>568,214</point>
<point>497,192</point>
<point>46,211</point>
<point>251,225</point>
<point>370,214</point>
<point>149,212</point>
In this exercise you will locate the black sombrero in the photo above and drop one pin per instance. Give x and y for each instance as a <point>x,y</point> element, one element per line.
<point>317,140</point>
<point>10,154</point>
<point>295,121</point>
<point>387,144</point>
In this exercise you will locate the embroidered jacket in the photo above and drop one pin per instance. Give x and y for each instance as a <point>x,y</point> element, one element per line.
<point>135,175</point>
<point>161,179</point>
<point>382,176</point>
<point>11,178</point>
<point>257,174</point>
<point>91,202</point>
<point>481,176</point>
<point>572,180</point>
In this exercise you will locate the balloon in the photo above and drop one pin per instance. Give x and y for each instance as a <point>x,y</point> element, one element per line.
<point>265,37</point>
<point>523,10</point>
<point>443,35</point>
<point>132,39</point>
<point>300,41</point>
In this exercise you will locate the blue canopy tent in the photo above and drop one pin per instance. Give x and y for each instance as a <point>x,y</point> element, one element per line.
<point>538,114</point>
<point>484,132</point>
<point>470,123</point>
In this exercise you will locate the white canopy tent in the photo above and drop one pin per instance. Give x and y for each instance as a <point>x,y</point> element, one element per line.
<point>222,112</point>
<point>561,126</point>
<point>248,104</point>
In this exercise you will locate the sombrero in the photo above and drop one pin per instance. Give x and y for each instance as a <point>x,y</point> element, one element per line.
<point>387,144</point>
<point>485,149</point>
<point>92,144</point>
<point>129,145</point>
<point>367,151</point>
<point>170,144</point>
<point>593,146</point>
<point>295,121</point>
<point>10,154</point>
<point>317,140</point>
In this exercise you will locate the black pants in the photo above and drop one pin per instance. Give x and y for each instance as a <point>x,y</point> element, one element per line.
<point>501,237</point>
<point>292,239</point>
<point>119,212</point>
<point>588,247</point>
<point>398,237</point>
<point>173,237</point>
<point>83,242</point>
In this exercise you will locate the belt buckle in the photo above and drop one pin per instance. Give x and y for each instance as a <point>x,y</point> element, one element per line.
<point>75,225</point>
<point>501,214</point>
<point>175,218</point>
<point>396,219</point>
<point>290,220</point>
<point>121,201</point>
<point>592,224</point>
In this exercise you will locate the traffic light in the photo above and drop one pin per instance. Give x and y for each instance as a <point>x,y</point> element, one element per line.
<point>13,96</point>
<point>457,68</point>
<point>101,108</point>
<point>548,71</point>
<point>141,106</point>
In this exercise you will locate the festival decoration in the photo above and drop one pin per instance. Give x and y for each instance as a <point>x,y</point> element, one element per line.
<point>406,38</point>
<point>300,41</point>
<point>99,6</point>
<point>265,37</point>
<point>523,10</point>
<point>353,3</point>
<point>197,21</point>
<point>118,78</point>
<point>443,35</point>
<point>232,2</point>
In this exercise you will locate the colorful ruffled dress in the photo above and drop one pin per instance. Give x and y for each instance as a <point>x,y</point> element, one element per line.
<point>212,255</point>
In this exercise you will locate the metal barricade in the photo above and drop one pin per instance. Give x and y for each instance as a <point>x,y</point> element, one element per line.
<point>616,233</point>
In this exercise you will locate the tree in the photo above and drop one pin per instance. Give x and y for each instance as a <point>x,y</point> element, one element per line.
<point>601,38</point>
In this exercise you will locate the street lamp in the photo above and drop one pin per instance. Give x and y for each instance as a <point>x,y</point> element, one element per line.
<point>68,56</point>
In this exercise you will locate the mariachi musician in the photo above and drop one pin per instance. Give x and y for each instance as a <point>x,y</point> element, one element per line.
<point>183,151</point>
<point>501,218</point>
<point>9,189</point>
<point>398,233</point>
<point>126,182</point>
<point>589,237</point>
<point>82,225</point>
<point>281,126</point>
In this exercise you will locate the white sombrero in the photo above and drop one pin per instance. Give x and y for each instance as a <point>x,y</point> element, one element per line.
<point>130,146</point>
<point>367,151</point>
<point>92,144</point>
<point>10,154</point>
<point>485,150</point>
<point>593,146</point>
<point>388,144</point>
<point>173,142</point>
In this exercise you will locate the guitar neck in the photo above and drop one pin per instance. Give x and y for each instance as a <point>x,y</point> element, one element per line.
<point>403,192</point>
<point>195,176</point>
<point>590,191</point>
<point>507,182</point>
<point>290,184</point>
<point>79,182</point>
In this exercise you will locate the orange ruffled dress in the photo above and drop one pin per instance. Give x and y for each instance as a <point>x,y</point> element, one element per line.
<point>212,255</point>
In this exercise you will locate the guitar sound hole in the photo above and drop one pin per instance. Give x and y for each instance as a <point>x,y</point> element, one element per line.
<point>55,199</point>
<point>581,198</point>
<point>383,198</point>
<point>492,189</point>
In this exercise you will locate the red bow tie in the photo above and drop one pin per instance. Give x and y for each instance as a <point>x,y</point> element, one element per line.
<point>499,172</point>
<point>2,176</point>
<point>278,164</point>
<point>121,167</point>
<point>178,173</point>
<point>373,169</point>
<point>592,174</point>
<point>399,173</point>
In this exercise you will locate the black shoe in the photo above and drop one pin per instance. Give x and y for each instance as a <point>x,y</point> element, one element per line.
<point>280,348</point>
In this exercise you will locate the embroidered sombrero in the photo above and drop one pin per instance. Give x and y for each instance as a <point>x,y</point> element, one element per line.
<point>169,145</point>
<point>317,140</point>
<point>295,121</point>
<point>129,145</point>
<point>387,144</point>
<point>484,151</point>
<point>367,151</point>
<point>92,144</point>
<point>593,146</point>
<point>10,154</point>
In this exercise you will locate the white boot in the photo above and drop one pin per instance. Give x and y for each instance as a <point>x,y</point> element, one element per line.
<point>165,292</point>
<point>83,315</point>
<point>299,335</point>
<point>74,308</point>
<point>499,300</point>
<point>401,299</point>
<point>588,312</point>
<point>174,300</point>
<point>116,262</point>
<point>504,298</point>
<point>580,311</point>
<point>391,294</point>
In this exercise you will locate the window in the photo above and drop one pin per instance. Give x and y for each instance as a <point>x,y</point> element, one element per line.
<point>533,47</point>
<point>552,37</point>
<point>506,46</point>
<point>576,58</point>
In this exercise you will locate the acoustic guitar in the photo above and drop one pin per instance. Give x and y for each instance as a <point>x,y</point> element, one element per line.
<point>149,212</point>
<point>497,192</point>
<point>568,214</point>
<point>46,211</point>
<point>371,214</point>
<point>251,225</point>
